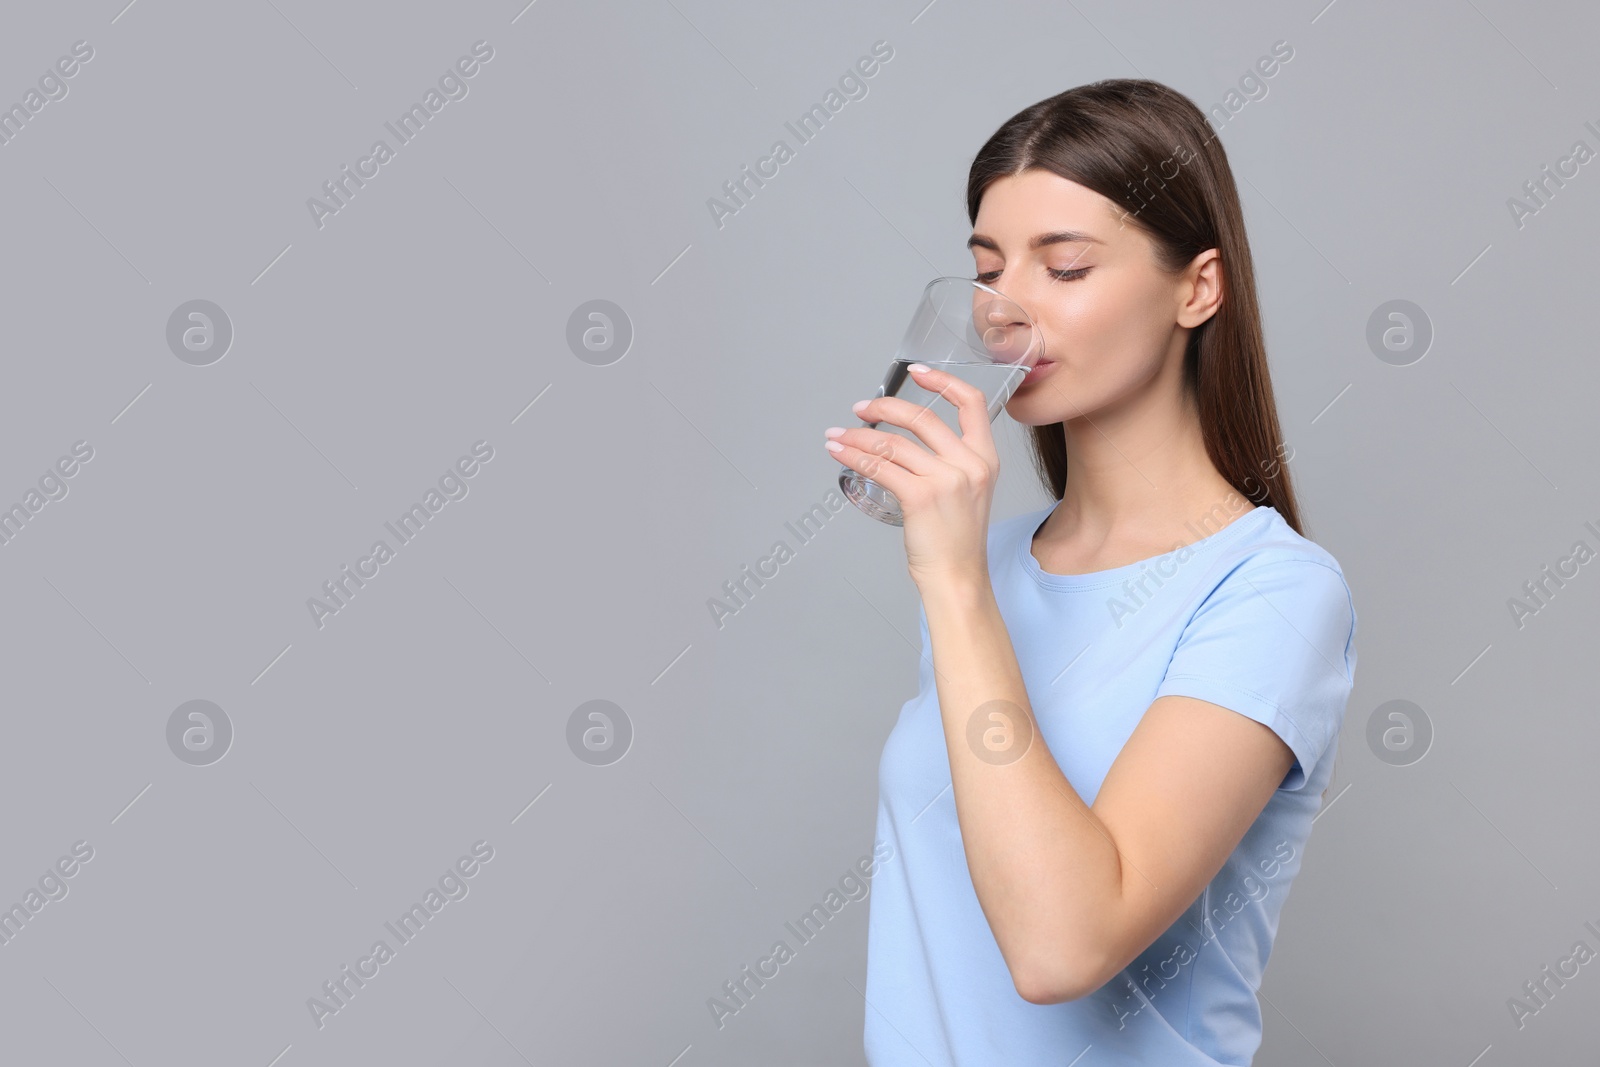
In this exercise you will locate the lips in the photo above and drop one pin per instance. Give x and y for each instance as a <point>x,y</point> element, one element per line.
<point>1038,370</point>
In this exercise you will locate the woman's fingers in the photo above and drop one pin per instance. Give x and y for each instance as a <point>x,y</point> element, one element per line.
<point>881,456</point>
<point>972,449</point>
<point>915,418</point>
<point>891,476</point>
<point>972,407</point>
<point>896,462</point>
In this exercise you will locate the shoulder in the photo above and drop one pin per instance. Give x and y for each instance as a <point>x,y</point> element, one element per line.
<point>1271,545</point>
<point>1275,577</point>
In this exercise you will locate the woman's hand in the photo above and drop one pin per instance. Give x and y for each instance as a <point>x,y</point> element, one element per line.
<point>945,495</point>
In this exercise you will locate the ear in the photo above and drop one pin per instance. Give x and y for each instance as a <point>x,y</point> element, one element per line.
<point>1201,290</point>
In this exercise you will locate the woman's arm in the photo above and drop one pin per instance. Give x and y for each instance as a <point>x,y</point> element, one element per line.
<point>1072,892</point>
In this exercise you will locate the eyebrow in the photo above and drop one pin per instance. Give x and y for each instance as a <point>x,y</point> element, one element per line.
<point>977,240</point>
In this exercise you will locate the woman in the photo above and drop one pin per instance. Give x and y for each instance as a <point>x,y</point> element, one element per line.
<point>1130,700</point>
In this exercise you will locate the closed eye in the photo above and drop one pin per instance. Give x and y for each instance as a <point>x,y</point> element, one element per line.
<point>1059,275</point>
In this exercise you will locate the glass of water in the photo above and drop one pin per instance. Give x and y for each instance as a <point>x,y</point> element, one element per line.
<point>970,330</point>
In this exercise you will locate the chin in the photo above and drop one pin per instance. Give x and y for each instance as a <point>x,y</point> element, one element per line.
<point>1029,418</point>
<point>1044,406</point>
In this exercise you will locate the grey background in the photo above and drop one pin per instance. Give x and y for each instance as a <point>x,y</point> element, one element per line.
<point>433,310</point>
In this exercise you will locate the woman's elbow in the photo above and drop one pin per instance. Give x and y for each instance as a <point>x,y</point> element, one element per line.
<point>1055,984</point>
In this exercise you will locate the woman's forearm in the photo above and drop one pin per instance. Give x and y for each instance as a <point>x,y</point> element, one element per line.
<point>1045,869</point>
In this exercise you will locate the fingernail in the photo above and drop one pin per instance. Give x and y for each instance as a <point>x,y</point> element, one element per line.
<point>859,406</point>
<point>919,367</point>
<point>835,446</point>
<point>833,431</point>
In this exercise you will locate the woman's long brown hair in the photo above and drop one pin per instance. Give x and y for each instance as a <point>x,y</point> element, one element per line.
<point>1149,149</point>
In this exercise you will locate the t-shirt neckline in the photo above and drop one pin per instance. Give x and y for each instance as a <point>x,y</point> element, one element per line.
<point>1117,575</point>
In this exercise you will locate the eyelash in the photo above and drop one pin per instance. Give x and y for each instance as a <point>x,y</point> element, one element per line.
<point>1059,275</point>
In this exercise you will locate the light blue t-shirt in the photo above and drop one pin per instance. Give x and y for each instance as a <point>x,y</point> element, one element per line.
<point>1253,617</point>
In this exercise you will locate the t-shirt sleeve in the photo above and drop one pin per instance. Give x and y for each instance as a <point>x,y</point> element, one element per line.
<point>1274,641</point>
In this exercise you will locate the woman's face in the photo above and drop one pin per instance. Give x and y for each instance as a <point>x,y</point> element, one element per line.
<point>1109,316</point>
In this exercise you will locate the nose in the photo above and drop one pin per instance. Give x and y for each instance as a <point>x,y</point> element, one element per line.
<point>1009,328</point>
<point>997,313</point>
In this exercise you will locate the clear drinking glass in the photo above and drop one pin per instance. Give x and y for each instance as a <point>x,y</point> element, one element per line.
<point>970,330</point>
